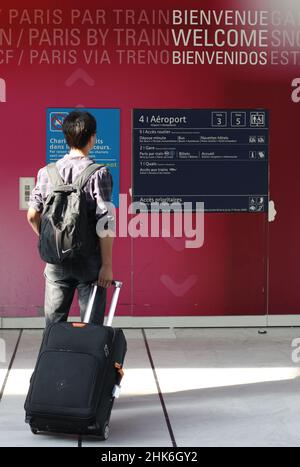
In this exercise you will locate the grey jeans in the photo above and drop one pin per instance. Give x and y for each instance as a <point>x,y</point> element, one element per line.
<point>61,282</point>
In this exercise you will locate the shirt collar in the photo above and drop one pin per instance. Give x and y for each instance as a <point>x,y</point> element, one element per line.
<point>77,156</point>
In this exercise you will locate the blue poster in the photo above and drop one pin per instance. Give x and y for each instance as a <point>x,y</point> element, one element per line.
<point>107,147</point>
<point>216,156</point>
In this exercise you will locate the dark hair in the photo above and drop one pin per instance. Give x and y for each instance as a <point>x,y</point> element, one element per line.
<point>78,127</point>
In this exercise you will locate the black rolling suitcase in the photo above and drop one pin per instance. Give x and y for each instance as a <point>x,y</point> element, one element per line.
<point>77,375</point>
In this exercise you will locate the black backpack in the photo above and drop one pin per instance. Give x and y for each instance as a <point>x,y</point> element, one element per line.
<point>67,229</point>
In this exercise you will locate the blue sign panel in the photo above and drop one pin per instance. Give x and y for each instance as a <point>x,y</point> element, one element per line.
<point>107,147</point>
<point>218,157</point>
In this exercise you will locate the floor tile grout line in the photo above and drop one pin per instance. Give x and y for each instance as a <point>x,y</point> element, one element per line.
<point>159,391</point>
<point>10,364</point>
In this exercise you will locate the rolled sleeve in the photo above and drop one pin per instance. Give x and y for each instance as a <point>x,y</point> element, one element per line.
<point>105,211</point>
<point>36,199</point>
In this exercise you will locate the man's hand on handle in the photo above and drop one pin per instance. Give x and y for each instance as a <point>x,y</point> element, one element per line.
<point>105,276</point>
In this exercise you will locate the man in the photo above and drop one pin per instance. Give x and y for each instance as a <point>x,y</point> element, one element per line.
<point>62,280</point>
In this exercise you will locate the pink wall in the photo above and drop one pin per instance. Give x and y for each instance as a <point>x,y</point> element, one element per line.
<point>224,277</point>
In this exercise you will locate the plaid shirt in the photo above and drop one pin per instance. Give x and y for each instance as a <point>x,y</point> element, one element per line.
<point>98,188</point>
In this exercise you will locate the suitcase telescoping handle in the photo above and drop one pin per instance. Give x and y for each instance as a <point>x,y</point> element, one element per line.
<point>113,305</point>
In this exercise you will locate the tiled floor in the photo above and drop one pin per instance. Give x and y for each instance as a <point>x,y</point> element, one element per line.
<point>183,387</point>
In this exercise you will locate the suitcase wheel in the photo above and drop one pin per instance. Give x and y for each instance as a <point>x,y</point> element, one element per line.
<point>34,430</point>
<point>105,431</point>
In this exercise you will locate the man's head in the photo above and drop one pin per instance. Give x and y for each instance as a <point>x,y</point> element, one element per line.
<point>79,129</point>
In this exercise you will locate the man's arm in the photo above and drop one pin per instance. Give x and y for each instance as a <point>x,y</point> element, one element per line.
<point>105,228</point>
<point>105,276</point>
<point>34,219</point>
<point>35,204</point>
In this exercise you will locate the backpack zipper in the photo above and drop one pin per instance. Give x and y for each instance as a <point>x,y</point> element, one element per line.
<point>57,247</point>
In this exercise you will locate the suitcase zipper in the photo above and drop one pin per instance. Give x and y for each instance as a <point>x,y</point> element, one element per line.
<point>108,364</point>
<point>50,328</point>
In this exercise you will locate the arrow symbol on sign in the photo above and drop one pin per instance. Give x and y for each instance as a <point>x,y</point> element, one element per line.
<point>176,243</point>
<point>179,289</point>
<point>80,74</point>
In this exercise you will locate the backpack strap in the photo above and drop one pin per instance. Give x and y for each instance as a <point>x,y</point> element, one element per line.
<point>85,175</point>
<point>54,175</point>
